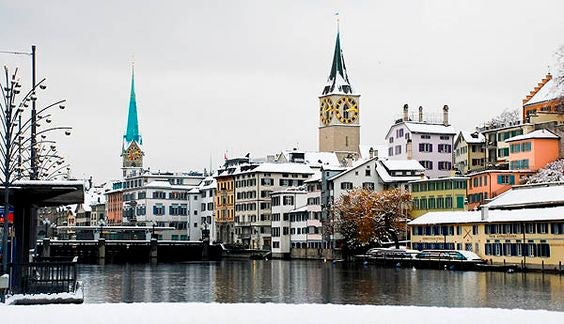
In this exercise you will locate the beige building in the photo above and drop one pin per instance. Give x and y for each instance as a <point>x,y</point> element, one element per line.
<point>524,226</point>
<point>469,152</point>
<point>253,210</point>
<point>339,127</point>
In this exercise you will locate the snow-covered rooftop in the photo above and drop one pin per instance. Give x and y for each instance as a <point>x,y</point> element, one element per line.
<point>158,184</point>
<point>492,216</point>
<point>472,137</point>
<point>280,168</point>
<point>549,91</point>
<point>541,133</point>
<point>416,127</point>
<point>403,165</point>
<point>389,178</point>
<point>530,195</point>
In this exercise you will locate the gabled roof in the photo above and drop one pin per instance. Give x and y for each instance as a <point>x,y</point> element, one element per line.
<point>338,81</point>
<point>350,169</point>
<point>546,90</point>
<point>403,165</point>
<point>471,137</point>
<point>541,133</point>
<point>279,168</point>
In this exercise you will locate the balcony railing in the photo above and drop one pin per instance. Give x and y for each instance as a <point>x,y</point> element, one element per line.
<point>45,276</point>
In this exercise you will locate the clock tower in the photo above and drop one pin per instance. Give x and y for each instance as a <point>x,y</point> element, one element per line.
<point>131,150</point>
<point>339,112</point>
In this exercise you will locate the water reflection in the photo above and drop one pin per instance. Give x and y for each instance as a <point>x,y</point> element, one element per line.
<point>280,281</point>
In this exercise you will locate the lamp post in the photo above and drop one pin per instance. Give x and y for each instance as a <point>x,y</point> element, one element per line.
<point>13,132</point>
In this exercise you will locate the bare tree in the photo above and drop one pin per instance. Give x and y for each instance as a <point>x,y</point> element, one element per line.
<point>366,217</point>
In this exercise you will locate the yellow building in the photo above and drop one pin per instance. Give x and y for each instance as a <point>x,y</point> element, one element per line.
<point>440,194</point>
<point>524,226</point>
<point>225,202</point>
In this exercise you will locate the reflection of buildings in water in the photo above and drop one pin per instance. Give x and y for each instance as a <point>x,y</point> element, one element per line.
<point>127,284</point>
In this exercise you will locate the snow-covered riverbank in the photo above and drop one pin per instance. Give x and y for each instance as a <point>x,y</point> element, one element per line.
<point>164,313</point>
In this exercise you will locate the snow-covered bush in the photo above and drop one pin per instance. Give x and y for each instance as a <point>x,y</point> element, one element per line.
<point>552,172</point>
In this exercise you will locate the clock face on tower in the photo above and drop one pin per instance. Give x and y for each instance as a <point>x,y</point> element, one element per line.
<point>134,153</point>
<point>326,111</point>
<point>346,110</point>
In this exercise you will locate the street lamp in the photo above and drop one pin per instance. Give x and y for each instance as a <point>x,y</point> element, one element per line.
<point>13,138</point>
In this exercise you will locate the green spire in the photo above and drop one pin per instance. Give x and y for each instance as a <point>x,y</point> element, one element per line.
<point>132,132</point>
<point>338,81</point>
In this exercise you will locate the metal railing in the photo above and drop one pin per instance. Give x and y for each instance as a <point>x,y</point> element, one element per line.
<point>47,276</point>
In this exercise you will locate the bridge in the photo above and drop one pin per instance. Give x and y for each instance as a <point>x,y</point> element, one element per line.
<point>103,251</point>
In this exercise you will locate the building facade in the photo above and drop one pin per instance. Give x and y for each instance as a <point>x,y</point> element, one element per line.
<point>439,194</point>
<point>429,143</point>
<point>524,226</point>
<point>469,152</point>
<point>534,150</point>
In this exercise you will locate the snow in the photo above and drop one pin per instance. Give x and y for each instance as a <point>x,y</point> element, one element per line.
<point>530,195</point>
<point>428,128</point>
<point>493,216</point>
<point>280,168</point>
<point>508,118</point>
<point>161,184</point>
<point>469,139</point>
<point>541,133</point>
<point>552,172</point>
<point>403,165</point>
<point>549,91</point>
<point>200,313</point>
<point>20,299</point>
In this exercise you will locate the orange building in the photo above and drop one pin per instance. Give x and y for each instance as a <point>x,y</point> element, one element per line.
<point>114,206</point>
<point>534,150</point>
<point>488,184</point>
<point>225,205</point>
<point>544,98</point>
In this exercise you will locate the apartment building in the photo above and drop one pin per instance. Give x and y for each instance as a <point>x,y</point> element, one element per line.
<point>253,186</point>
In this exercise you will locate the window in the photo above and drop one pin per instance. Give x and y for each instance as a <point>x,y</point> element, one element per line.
<point>391,151</point>
<point>444,137</point>
<point>444,148</point>
<point>506,179</point>
<point>368,185</point>
<point>398,149</point>
<point>425,136</point>
<point>267,182</point>
<point>425,147</point>
<point>367,172</point>
<point>427,164</point>
<point>390,140</point>
<point>346,185</point>
<point>444,165</point>
<point>526,147</point>
<point>288,200</point>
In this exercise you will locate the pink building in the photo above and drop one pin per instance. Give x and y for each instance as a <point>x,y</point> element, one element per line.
<point>485,185</point>
<point>534,150</point>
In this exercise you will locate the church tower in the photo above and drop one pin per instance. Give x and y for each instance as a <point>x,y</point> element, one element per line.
<point>131,150</point>
<point>339,128</point>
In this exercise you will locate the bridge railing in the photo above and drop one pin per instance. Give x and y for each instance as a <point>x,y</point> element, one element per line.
<point>46,276</point>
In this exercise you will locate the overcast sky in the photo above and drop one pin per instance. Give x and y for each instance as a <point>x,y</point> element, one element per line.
<point>245,76</point>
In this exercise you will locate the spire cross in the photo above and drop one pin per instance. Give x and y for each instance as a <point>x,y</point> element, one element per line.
<point>337,17</point>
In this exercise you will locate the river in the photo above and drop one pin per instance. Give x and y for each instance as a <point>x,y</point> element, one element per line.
<point>297,281</point>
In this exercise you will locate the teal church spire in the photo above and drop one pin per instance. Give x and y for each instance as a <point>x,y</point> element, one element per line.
<point>132,132</point>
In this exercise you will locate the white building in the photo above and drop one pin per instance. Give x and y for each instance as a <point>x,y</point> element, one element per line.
<point>283,202</point>
<point>253,186</point>
<point>166,200</point>
<point>429,143</point>
<point>207,190</point>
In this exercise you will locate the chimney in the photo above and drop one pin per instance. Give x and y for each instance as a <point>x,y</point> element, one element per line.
<point>405,112</point>
<point>371,152</point>
<point>445,115</point>
<point>484,213</point>
<point>420,114</point>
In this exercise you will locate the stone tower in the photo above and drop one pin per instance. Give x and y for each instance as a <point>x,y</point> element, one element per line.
<point>339,111</point>
<point>131,151</point>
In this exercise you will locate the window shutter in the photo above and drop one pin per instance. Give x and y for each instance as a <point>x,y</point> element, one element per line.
<point>511,179</point>
<point>499,179</point>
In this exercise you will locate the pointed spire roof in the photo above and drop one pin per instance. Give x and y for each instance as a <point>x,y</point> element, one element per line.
<point>338,81</point>
<point>132,131</point>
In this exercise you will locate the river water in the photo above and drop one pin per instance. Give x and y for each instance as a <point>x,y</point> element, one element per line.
<point>296,281</point>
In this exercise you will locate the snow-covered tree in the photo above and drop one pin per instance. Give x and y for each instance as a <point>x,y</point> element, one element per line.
<point>366,217</point>
<point>552,172</point>
<point>507,117</point>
